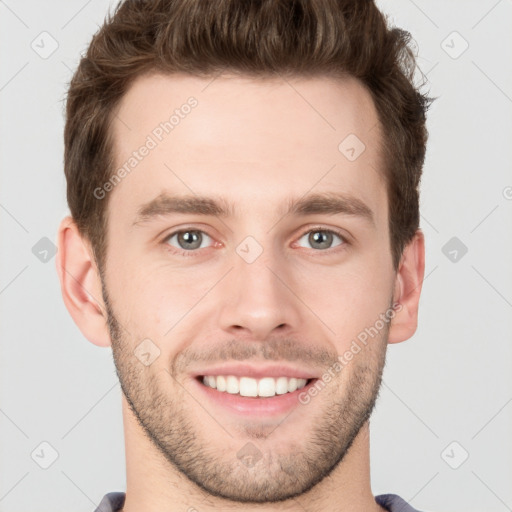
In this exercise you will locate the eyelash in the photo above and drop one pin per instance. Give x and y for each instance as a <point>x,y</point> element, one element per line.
<point>183,252</point>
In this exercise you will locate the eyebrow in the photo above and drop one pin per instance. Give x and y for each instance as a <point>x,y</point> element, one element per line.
<point>318,203</point>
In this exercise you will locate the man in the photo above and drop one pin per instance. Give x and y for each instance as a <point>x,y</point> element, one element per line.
<point>243,186</point>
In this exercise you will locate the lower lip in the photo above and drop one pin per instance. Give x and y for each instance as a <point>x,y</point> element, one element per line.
<point>254,406</point>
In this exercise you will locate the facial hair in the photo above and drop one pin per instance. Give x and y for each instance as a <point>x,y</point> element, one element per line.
<point>160,406</point>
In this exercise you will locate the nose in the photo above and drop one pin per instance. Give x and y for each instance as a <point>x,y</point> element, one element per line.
<point>258,298</point>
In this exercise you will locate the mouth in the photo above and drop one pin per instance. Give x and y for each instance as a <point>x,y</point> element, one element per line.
<point>253,397</point>
<point>249,387</point>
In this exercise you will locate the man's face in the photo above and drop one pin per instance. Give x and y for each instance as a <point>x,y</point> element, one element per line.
<point>257,294</point>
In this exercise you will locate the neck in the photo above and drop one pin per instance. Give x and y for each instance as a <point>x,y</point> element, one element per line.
<point>155,485</point>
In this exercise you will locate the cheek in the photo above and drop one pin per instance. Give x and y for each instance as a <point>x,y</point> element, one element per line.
<point>161,304</point>
<point>348,300</point>
<point>137,305</point>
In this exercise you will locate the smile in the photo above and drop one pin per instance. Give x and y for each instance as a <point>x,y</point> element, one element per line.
<point>250,387</point>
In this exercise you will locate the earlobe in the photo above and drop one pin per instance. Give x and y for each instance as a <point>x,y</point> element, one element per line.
<point>80,284</point>
<point>407,290</point>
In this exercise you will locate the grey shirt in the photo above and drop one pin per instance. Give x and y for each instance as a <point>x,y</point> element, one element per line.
<point>114,501</point>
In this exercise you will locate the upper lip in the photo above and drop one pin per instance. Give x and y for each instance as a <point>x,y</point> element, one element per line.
<point>258,372</point>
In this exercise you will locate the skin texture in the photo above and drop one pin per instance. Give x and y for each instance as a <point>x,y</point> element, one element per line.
<point>257,144</point>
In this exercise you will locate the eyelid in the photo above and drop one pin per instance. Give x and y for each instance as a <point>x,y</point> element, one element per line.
<point>183,252</point>
<point>344,238</point>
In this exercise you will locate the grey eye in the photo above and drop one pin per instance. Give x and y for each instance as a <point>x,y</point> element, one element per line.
<point>321,239</point>
<point>189,240</point>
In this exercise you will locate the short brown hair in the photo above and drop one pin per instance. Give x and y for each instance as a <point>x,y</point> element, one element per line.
<point>260,38</point>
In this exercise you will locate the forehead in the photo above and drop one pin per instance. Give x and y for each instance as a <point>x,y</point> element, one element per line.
<point>248,138</point>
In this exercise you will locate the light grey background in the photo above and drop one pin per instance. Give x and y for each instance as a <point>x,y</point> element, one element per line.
<point>450,383</point>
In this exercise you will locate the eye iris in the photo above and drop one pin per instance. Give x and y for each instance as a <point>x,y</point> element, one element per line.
<point>322,238</point>
<point>190,239</point>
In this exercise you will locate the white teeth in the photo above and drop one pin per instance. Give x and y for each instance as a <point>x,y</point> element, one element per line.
<point>267,387</point>
<point>281,386</point>
<point>292,384</point>
<point>247,386</point>
<point>221,383</point>
<point>233,386</point>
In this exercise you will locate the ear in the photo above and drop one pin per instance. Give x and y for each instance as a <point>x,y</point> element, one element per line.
<point>408,282</point>
<point>80,284</point>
